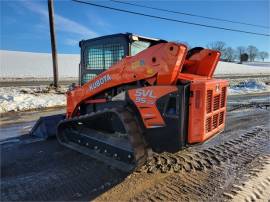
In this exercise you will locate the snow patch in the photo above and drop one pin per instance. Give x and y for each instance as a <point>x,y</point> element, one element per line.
<point>26,98</point>
<point>249,86</point>
<point>17,64</point>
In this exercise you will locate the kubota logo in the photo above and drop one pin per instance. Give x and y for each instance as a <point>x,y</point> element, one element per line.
<point>100,82</point>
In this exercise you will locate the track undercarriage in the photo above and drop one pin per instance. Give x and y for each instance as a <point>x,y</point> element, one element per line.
<point>109,135</point>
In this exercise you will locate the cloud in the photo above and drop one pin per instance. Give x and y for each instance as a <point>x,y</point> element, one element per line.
<point>71,42</point>
<point>92,17</point>
<point>99,22</point>
<point>61,23</point>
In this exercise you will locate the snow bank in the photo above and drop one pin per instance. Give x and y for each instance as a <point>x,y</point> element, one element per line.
<point>260,64</point>
<point>26,98</point>
<point>226,68</point>
<point>249,86</point>
<point>25,64</point>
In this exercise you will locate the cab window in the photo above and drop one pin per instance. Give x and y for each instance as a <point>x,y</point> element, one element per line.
<point>138,46</point>
<point>104,56</point>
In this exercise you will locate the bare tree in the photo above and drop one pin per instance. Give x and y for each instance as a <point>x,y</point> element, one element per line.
<point>217,45</point>
<point>229,54</point>
<point>240,50</point>
<point>252,52</point>
<point>263,55</point>
<point>244,57</point>
<point>187,44</point>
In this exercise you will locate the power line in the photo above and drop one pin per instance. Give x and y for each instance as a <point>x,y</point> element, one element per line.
<point>190,14</point>
<point>169,19</point>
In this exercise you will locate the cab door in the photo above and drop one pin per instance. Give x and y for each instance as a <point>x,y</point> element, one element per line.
<point>97,55</point>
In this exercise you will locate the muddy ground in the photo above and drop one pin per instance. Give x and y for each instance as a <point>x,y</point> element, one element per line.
<point>233,166</point>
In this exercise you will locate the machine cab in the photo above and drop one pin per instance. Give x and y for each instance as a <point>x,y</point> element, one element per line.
<point>100,53</point>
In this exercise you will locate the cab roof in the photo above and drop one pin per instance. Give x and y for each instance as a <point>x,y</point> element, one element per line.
<point>128,36</point>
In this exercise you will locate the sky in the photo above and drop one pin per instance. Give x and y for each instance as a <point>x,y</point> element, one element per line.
<point>25,23</point>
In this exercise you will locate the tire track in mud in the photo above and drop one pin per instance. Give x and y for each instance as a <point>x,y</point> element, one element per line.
<point>239,106</point>
<point>45,171</point>
<point>219,165</point>
<point>205,158</point>
<point>256,187</point>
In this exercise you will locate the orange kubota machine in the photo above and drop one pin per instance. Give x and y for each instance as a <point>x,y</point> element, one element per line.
<point>138,94</point>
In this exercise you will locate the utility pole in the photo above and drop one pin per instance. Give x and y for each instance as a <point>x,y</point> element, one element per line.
<point>53,43</point>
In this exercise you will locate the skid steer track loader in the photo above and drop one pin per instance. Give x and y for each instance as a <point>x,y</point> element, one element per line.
<point>138,95</point>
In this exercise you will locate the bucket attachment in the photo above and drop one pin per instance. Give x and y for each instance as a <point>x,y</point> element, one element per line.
<point>46,126</point>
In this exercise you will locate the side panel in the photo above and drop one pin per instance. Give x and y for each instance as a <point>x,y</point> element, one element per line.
<point>171,108</point>
<point>145,100</point>
<point>207,109</point>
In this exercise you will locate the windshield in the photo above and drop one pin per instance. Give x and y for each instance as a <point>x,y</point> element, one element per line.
<point>138,46</point>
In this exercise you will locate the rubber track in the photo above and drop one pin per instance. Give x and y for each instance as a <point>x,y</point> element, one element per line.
<point>204,159</point>
<point>134,135</point>
<point>205,186</point>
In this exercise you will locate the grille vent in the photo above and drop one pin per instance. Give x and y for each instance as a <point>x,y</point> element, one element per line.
<point>209,101</point>
<point>223,96</point>
<point>208,124</point>
<point>221,118</point>
<point>215,104</point>
<point>215,121</point>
